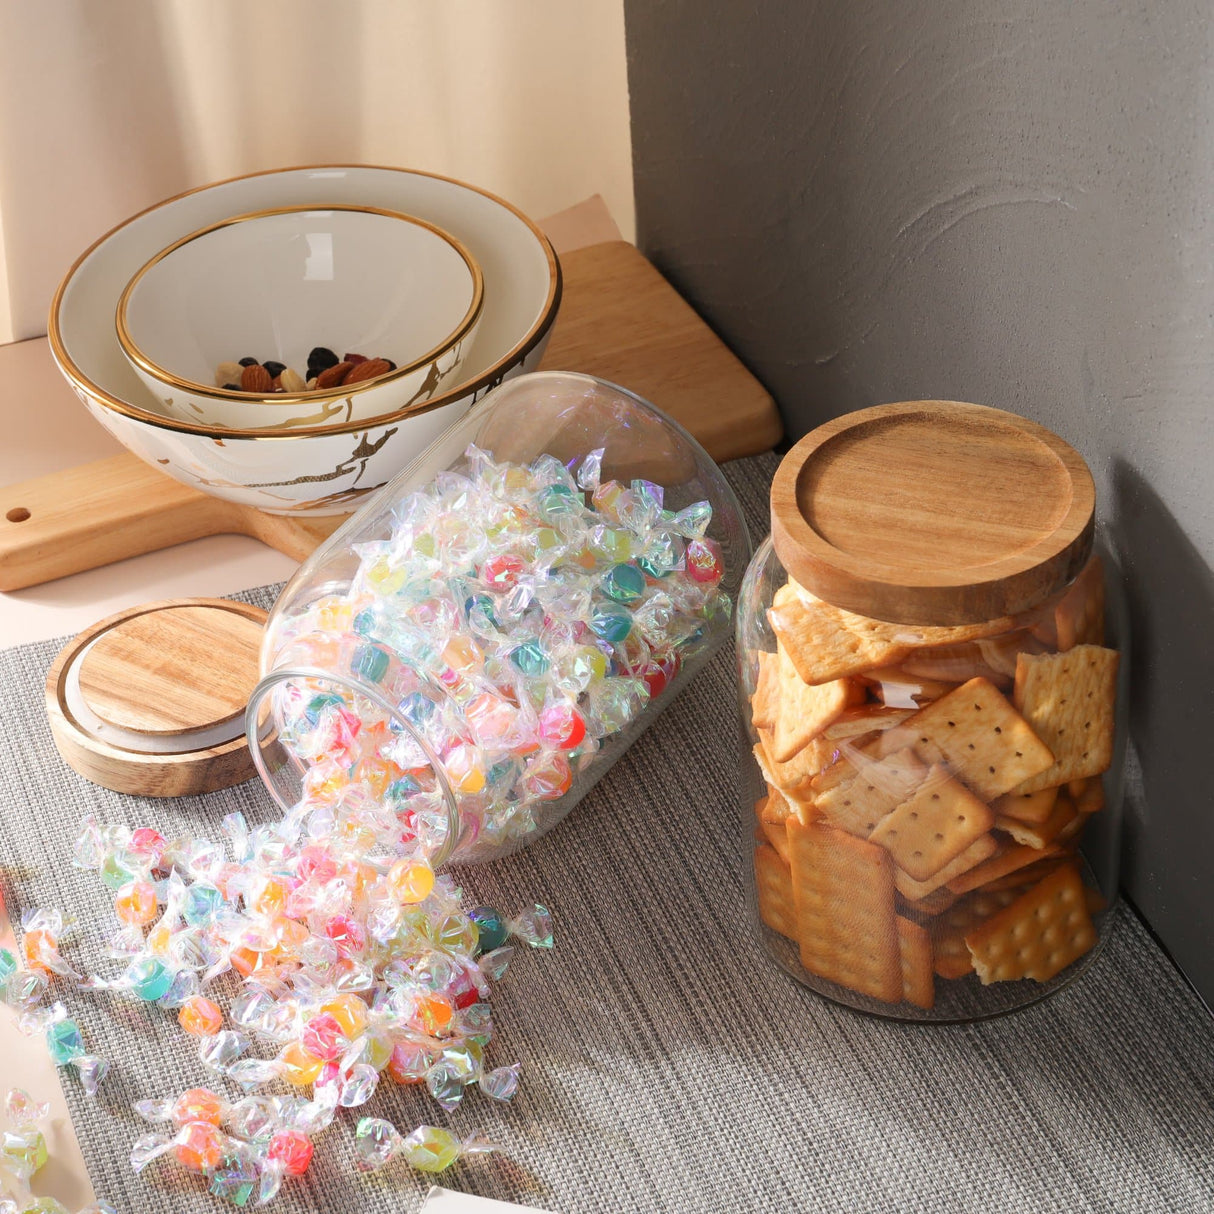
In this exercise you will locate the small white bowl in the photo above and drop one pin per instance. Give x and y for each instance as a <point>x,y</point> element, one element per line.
<point>320,468</point>
<point>274,284</point>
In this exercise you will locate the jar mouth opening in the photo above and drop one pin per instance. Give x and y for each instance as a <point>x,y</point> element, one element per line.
<point>263,741</point>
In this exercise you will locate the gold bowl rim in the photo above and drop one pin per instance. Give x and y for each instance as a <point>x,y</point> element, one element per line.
<point>137,355</point>
<point>490,375</point>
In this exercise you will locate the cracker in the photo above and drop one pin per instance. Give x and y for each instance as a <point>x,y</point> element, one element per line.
<point>857,793</point>
<point>1008,858</point>
<point>897,689</point>
<point>763,702</point>
<point>802,711</point>
<point>1038,935</point>
<point>1041,834</point>
<point>773,818</point>
<point>828,643</point>
<point>950,956</point>
<point>773,880</point>
<point>934,904</point>
<point>1019,880</point>
<point>1068,700</point>
<point>1034,807</point>
<point>855,723</point>
<point>793,777</point>
<point>983,739</point>
<point>917,891</point>
<point>844,892</point>
<point>1091,799</point>
<point>1079,614</point>
<point>918,981</point>
<point>933,826</point>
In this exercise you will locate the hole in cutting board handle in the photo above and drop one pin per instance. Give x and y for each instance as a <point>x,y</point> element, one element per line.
<point>18,514</point>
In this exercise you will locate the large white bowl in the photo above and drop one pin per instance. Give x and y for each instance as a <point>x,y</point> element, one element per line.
<point>274,284</point>
<point>315,469</point>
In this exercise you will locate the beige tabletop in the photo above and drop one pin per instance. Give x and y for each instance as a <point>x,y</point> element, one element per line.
<point>35,402</point>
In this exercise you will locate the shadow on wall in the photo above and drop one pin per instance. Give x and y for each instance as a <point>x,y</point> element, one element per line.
<point>1169,831</point>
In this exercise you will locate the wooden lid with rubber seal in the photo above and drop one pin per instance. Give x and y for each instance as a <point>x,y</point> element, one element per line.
<point>933,512</point>
<point>151,701</point>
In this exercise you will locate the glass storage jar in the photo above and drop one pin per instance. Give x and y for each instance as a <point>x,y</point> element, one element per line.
<point>463,660</point>
<point>933,677</point>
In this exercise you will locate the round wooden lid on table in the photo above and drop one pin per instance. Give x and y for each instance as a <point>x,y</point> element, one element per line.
<point>151,701</point>
<point>932,512</point>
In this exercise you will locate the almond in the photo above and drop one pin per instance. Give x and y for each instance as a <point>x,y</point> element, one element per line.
<point>330,377</point>
<point>368,370</point>
<point>255,378</point>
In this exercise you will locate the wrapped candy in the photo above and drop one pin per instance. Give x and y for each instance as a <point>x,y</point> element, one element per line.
<point>428,1148</point>
<point>491,652</point>
<point>22,1154</point>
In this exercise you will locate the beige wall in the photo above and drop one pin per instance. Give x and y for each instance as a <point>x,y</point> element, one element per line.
<point>106,107</point>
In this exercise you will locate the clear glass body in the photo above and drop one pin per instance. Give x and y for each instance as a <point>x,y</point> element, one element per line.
<point>469,654</point>
<point>935,829</point>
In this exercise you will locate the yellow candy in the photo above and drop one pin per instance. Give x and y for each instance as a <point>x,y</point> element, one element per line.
<point>158,939</point>
<point>269,894</point>
<point>411,880</point>
<point>349,1011</point>
<point>378,1051</point>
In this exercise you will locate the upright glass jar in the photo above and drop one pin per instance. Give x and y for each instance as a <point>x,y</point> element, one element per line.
<point>462,661</point>
<point>933,677</point>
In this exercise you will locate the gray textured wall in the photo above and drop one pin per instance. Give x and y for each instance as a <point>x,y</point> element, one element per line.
<point>1007,203</point>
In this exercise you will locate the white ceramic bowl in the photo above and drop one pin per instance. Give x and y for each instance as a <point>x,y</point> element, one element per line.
<point>315,469</point>
<point>274,284</point>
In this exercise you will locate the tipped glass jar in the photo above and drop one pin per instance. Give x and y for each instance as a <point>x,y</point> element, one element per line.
<point>933,697</point>
<point>467,656</point>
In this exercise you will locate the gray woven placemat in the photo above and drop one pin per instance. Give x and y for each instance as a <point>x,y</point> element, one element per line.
<point>666,1064</point>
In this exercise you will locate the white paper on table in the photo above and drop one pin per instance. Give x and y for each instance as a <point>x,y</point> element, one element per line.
<point>446,1201</point>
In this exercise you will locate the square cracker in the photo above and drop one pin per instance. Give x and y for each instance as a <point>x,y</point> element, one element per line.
<point>803,712</point>
<point>773,880</point>
<point>981,849</point>
<point>857,793</point>
<point>951,958</point>
<point>828,643</point>
<point>844,892</point>
<point>925,908</point>
<point>1068,700</point>
<point>918,981</point>
<point>933,826</point>
<point>763,702</point>
<point>985,742</point>
<point>1038,935</point>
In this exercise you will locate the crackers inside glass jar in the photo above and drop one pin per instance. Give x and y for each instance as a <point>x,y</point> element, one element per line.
<point>928,788</point>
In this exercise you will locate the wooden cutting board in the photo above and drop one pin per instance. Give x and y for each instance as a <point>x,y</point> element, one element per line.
<point>619,319</point>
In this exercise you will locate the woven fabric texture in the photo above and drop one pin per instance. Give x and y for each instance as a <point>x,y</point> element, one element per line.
<point>667,1065</point>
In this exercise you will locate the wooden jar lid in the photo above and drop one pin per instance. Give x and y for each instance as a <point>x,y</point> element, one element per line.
<point>932,512</point>
<point>151,701</point>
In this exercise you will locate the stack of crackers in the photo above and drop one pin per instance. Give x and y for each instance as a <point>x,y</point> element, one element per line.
<point>927,789</point>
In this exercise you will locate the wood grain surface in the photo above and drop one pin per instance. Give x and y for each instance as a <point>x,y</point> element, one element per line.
<point>155,653</point>
<point>619,320</point>
<point>933,512</point>
<point>172,671</point>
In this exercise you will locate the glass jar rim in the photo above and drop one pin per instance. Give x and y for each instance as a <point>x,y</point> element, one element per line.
<point>284,674</point>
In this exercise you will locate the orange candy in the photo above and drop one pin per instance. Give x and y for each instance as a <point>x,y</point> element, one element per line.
<point>269,894</point>
<point>36,945</point>
<point>434,1012</point>
<point>302,1068</point>
<point>244,961</point>
<point>200,1017</point>
<point>200,1146</point>
<point>135,903</point>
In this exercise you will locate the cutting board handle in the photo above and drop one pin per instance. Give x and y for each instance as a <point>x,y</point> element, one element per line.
<point>114,508</point>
